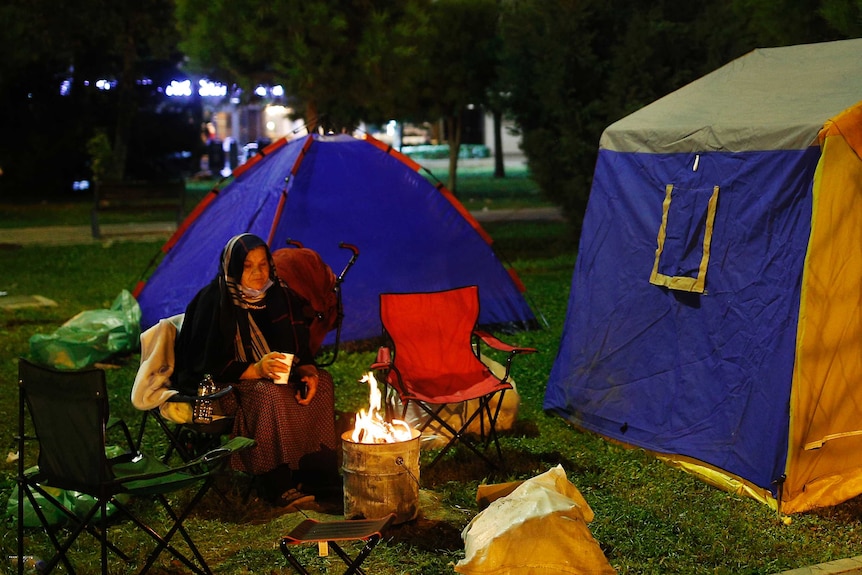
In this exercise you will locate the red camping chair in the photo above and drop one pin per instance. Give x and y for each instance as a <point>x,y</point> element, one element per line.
<point>435,361</point>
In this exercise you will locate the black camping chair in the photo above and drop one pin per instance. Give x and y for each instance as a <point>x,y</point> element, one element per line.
<point>190,440</point>
<point>203,434</point>
<point>201,431</point>
<point>69,413</point>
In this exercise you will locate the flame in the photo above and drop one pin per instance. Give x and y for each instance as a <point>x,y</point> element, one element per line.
<point>371,427</point>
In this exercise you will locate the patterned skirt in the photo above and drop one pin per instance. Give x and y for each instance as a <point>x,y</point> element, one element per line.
<point>286,433</point>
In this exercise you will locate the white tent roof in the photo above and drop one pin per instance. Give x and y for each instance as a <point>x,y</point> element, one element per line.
<point>771,98</point>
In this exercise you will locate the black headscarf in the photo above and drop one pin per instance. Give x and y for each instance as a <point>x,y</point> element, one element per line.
<point>227,327</point>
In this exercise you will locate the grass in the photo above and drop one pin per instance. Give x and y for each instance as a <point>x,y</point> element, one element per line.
<point>649,518</point>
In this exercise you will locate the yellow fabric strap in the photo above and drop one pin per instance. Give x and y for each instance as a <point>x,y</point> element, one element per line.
<point>681,283</point>
<point>822,441</point>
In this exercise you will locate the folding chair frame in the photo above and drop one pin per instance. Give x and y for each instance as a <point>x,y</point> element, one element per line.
<point>330,532</point>
<point>85,524</point>
<point>187,440</point>
<point>461,435</point>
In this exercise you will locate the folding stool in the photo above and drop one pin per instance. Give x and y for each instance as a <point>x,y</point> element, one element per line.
<point>329,532</point>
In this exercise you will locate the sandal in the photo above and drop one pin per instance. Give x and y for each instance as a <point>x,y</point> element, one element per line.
<point>293,498</point>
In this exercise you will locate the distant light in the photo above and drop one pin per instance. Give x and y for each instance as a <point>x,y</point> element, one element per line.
<point>104,84</point>
<point>278,91</point>
<point>260,91</point>
<point>181,89</point>
<point>65,87</point>
<point>208,89</point>
<point>145,82</point>
<point>81,185</point>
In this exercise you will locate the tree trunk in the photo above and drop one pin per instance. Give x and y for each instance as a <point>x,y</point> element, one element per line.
<point>499,165</point>
<point>453,125</point>
<point>311,119</point>
<point>126,109</point>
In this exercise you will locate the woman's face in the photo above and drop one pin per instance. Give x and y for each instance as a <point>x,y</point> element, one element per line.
<point>255,270</point>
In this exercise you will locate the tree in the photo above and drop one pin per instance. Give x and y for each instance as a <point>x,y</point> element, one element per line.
<point>844,16</point>
<point>554,79</point>
<point>619,55</point>
<point>462,65</point>
<point>495,100</point>
<point>343,60</point>
<point>135,32</point>
<point>786,22</point>
<point>34,120</point>
<point>47,45</point>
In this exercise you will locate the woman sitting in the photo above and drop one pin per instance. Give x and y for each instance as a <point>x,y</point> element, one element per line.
<point>238,329</point>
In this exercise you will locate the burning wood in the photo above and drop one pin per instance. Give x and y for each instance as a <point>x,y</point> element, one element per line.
<point>371,427</point>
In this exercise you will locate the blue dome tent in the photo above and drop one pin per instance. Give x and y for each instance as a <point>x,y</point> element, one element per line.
<point>413,235</point>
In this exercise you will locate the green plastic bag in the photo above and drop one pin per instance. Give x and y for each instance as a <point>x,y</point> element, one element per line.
<point>79,503</point>
<point>91,336</point>
<point>52,513</point>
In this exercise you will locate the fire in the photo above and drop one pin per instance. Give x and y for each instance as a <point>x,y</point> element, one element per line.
<point>371,427</point>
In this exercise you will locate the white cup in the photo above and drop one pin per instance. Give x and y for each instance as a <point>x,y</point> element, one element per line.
<point>288,363</point>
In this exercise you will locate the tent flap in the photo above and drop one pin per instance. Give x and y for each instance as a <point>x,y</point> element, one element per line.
<point>826,405</point>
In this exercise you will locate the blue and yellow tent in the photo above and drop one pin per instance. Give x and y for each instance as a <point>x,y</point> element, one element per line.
<point>715,317</point>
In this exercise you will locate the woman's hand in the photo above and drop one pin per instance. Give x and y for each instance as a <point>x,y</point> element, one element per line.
<point>308,376</point>
<point>268,367</point>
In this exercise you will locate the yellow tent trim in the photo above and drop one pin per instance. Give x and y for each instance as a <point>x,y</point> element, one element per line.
<point>682,283</point>
<point>719,478</point>
<point>707,473</point>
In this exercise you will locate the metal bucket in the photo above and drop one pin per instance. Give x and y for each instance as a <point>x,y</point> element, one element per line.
<point>381,478</point>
